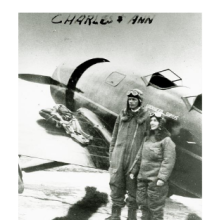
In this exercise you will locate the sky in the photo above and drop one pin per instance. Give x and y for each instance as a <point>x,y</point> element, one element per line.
<point>171,40</point>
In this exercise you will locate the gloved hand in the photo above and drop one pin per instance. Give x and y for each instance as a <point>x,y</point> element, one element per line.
<point>131,176</point>
<point>160,182</point>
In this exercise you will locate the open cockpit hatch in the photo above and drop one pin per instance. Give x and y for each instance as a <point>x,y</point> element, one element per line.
<point>165,79</point>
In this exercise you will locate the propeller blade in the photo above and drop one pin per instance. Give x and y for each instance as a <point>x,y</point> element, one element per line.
<point>47,80</point>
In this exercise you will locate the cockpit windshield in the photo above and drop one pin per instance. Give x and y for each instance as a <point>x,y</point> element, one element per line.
<point>165,79</point>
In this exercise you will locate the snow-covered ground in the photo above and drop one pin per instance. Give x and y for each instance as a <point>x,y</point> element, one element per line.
<point>51,193</point>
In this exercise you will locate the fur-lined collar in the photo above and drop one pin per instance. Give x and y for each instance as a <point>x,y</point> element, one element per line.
<point>160,135</point>
<point>141,115</point>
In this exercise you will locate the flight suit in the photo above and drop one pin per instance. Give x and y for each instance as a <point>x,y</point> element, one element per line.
<point>155,161</point>
<point>129,131</point>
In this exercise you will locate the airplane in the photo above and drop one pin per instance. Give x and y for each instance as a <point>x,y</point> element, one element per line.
<point>95,91</point>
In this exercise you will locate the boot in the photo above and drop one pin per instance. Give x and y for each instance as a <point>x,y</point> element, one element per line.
<point>145,214</point>
<point>116,213</point>
<point>132,214</point>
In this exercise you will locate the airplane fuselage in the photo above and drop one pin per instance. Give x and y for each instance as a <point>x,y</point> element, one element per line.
<point>104,93</point>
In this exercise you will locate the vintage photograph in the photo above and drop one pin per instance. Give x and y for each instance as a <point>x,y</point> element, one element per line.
<point>109,116</point>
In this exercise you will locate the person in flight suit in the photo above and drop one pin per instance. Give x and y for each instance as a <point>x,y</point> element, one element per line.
<point>154,162</point>
<point>129,132</point>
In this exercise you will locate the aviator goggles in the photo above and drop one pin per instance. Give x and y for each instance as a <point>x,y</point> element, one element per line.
<point>134,93</point>
<point>156,114</point>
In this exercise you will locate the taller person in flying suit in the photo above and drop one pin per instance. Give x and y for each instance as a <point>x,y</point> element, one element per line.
<point>128,135</point>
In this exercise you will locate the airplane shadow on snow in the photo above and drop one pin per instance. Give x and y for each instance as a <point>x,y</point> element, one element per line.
<point>85,208</point>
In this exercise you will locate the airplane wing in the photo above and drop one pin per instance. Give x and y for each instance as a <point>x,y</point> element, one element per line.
<point>40,139</point>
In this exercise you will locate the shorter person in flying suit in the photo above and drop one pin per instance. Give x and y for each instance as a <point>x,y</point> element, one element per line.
<point>153,167</point>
